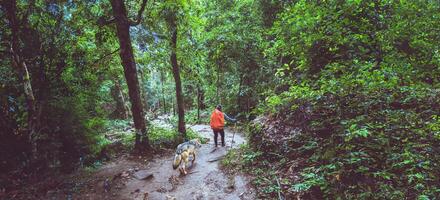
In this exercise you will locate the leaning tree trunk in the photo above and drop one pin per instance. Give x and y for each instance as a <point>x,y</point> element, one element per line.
<point>176,74</point>
<point>128,62</point>
<point>23,74</point>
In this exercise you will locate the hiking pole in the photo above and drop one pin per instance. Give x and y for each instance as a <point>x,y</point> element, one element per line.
<point>233,134</point>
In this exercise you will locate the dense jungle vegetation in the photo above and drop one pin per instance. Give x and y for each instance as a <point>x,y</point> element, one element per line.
<point>340,99</point>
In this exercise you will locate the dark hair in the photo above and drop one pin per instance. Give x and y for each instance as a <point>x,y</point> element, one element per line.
<point>219,107</point>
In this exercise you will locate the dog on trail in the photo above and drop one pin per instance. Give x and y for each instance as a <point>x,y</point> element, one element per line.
<point>183,152</point>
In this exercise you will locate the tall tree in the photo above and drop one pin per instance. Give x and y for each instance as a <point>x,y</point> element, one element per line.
<point>126,53</point>
<point>23,73</point>
<point>172,23</point>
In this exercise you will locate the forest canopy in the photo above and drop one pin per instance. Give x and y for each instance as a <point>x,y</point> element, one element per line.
<point>349,90</point>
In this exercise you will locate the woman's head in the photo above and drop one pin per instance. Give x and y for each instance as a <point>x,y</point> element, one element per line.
<point>219,107</point>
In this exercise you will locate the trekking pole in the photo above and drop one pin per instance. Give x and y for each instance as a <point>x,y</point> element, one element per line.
<point>233,134</point>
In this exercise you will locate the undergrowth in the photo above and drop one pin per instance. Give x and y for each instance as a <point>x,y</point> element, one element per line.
<point>192,118</point>
<point>159,137</point>
<point>347,145</point>
<point>248,161</point>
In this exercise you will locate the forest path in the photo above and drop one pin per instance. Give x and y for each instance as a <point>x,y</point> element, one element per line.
<point>205,180</point>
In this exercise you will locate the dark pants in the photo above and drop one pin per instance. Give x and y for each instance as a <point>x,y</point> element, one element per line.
<point>222,134</point>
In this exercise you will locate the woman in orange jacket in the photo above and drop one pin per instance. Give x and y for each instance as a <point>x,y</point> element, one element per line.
<point>218,123</point>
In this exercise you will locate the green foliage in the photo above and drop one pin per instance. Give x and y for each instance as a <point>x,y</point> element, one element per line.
<point>244,159</point>
<point>310,179</point>
<point>117,124</point>
<point>250,157</point>
<point>233,161</point>
<point>160,136</point>
<point>359,81</point>
<point>350,87</point>
<point>191,117</point>
<point>63,51</point>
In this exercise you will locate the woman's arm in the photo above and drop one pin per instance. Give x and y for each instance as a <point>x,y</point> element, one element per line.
<point>229,118</point>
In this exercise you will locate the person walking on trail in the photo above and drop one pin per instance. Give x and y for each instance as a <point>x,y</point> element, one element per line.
<point>218,123</point>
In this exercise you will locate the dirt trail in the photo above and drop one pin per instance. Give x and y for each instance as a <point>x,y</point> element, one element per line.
<point>117,179</point>
<point>205,181</point>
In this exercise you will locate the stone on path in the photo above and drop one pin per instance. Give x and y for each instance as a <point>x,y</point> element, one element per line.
<point>216,159</point>
<point>142,175</point>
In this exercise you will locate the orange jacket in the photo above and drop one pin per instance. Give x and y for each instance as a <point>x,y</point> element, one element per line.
<point>217,119</point>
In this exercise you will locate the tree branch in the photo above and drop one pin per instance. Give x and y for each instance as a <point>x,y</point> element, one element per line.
<point>139,15</point>
<point>158,35</point>
<point>106,55</point>
<point>103,22</point>
<point>29,10</point>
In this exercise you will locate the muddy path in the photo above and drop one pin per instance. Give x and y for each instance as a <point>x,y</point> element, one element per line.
<point>126,177</point>
<point>204,181</point>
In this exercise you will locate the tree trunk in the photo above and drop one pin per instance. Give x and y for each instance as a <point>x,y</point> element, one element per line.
<point>143,92</point>
<point>120,111</point>
<point>174,107</point>
<point>162,80</point>
<point>202,99</point>
<point>176,74</point>
<point>198,102</point>
<point>23,75</point>
<point>128,62</point>
<point>218,84</point>
<point>239,94</point>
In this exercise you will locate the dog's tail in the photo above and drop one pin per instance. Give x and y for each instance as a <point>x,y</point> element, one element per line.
<point>177,161</point>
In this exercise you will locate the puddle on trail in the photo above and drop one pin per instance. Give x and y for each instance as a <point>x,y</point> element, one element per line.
<point>204,181</point>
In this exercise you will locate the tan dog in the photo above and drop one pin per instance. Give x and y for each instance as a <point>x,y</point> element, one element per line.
<point>183,152</point>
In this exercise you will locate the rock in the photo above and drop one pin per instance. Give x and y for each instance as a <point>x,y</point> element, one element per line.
<point>142,175</point>
<point>169,197</point>
<point>261,120</point>
<point>49,192</point>
<point>125,174</point>
<point>199,197</point>
<point>216,159</point>
<point>116,176</point>
<point>231,183</point>
<point>106,185</point>
<point>162,189</point>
